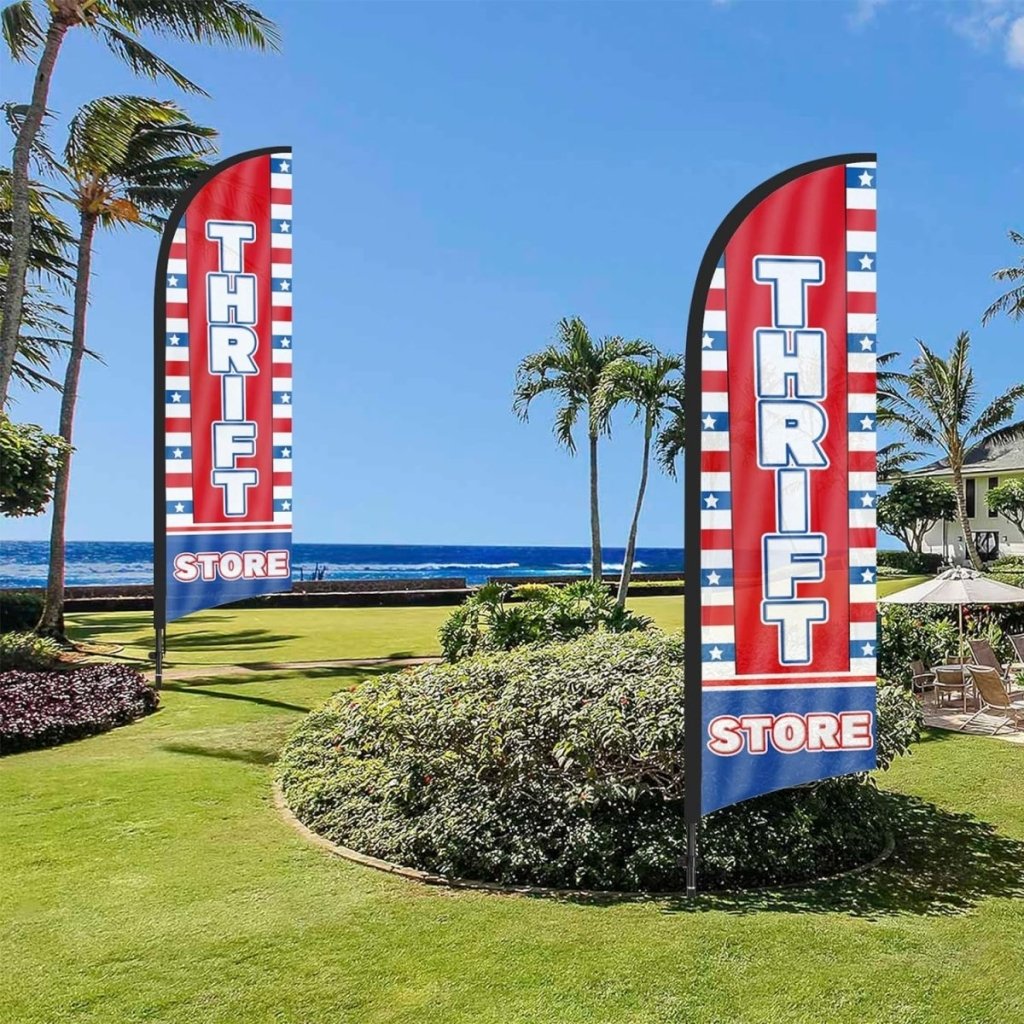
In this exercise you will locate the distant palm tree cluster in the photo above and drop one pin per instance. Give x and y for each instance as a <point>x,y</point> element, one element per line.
<point>934,404</point>
<point>590,379</point>
<point>126,161</point>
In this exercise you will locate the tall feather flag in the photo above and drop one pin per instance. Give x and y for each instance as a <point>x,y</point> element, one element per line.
<point>780,490</point>
<point>222,456</point>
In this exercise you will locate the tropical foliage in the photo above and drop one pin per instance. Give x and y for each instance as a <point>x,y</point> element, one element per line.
<point>652,389</point>
<point>559,765</point>
<point>936,404</point>
<point>1011,302</point>
<point>912,506</point>
<point>1007,500</point>
<point>127,160</point>
<point>19,609</point>
<point>118,24</point>
<point>44,331</point>
<point>909,563</point>
<point>499,618</point>
<point>573,370</point>
<point>29,461</point>
<point>28,652</point>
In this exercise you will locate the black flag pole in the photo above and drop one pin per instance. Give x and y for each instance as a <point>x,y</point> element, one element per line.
<point>692,692</point>
<point>159,439</point>
<point>693,746</point>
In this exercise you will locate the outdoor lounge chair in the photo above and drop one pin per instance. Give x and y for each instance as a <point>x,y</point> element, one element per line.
<point>1018,649</point>
<point>922,678</point>
<point>993,698</point>
<point>950,682</point>
<point>984,655</point>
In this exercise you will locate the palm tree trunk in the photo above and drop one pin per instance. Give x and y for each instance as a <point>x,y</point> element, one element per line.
<point>627,562</point>
<point>962,517</point>
<point>51,622</point>
<point>596,560</point>
<point>21,225</point>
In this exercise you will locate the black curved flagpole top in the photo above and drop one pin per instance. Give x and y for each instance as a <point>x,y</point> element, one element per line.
<point>692,667</point>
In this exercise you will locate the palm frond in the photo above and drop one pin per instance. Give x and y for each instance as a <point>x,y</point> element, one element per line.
<point>130,157</point>
<point>144,61</point>
<point>22,31</point>
<point>671,442</point>
<point>199,21</point>
<point>50,238</point>
<point>1011,302</point>
<point>894,458</point>
<point>41,154</point>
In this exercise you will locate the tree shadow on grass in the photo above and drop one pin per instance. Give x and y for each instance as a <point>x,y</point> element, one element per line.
<point>246,697</point>
<point>246,755</point>
<point>199,641</point>
<point>346,675</point>
<point>943,865</point>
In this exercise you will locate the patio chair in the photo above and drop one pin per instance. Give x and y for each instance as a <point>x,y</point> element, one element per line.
<point>922,678</point>
<point>993,698</point>
<point>1015,669</point>
<point>1018,649</point>
<point>950,682</point>
<point>984,655</point>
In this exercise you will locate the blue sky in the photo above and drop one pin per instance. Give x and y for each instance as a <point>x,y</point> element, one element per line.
<point>467,174</point>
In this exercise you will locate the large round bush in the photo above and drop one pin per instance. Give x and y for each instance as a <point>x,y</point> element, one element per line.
<point>561,766</point>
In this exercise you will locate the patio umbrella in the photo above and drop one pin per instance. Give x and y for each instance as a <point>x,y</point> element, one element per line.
<point>959,586</point>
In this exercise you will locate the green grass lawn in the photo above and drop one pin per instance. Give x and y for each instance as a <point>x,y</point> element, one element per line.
<point>147,877</point>
<point>255,636</point>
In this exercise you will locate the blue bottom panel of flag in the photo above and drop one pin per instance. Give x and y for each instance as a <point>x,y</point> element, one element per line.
<point>209,569</point>
<point>757,740</point>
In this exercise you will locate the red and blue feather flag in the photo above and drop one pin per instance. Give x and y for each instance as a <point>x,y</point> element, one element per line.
<point>223,389</point>
<point>781,489</point>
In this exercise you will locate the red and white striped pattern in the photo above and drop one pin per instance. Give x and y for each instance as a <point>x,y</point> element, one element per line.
<point>862,335</point>
<point>718,622</point>
<point>281,329</point>
<point>177,414</point>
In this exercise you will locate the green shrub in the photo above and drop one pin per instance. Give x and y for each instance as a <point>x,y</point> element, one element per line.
<point>500,618</point>
<point>19,610</point>
<point>559,765</point>
<point>886,572</point>
<point>28,652</point>
<point>1008,569</point>
<point>915,632</point>
<point>912,563</point>
<point>995,623</point>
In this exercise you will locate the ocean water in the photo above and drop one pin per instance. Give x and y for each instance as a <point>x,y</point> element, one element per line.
<point>96,563</point>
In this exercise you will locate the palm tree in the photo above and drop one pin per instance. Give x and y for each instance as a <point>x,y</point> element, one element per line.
<point>118,178</point>
<point>1012,302</point>
<point>652,388</point>
<point>43,329</point>
<point>573,369</point>
<point>118,24</point>
<point>935,403</point>
<point>671,441</point>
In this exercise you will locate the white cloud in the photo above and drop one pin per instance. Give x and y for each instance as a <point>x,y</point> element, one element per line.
<point>984,23</point>
<point>999,22</point>
<point>864,12</point>
<point>1015,44</point>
